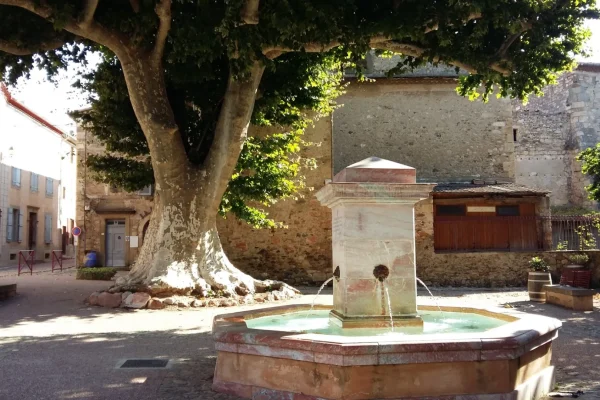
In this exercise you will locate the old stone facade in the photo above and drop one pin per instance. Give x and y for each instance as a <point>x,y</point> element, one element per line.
<point>423,123</point>
<point>551,130</point>
<point>99,204</point>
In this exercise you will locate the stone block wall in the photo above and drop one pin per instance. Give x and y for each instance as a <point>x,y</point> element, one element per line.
<point>551,130</point>
<point>423,123</point>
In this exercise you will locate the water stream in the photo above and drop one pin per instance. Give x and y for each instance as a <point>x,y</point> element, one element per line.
<point>387,293</point>
<point>431,294</point>
<point>317,295</point>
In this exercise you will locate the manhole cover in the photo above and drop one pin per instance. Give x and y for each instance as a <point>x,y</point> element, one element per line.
<point>144,363</point>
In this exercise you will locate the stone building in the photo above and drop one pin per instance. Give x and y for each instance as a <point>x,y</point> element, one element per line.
<point>551,130</point>
<point>37,184</point>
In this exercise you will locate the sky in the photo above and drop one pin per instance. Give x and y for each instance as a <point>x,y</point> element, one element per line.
<point>53,101</point>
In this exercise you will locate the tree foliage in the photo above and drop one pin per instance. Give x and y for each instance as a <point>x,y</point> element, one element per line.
<point>517,47</point>
<point>297,88</point>
<point>590,159</point>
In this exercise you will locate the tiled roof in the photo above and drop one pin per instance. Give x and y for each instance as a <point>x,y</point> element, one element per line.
<point>491,188</point>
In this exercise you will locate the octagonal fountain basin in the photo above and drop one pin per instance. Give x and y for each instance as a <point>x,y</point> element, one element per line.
<point>290,353</point>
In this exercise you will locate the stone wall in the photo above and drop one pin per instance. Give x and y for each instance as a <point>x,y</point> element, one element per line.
<point>423,123</point>
<point>301,253</point>
<point>551,130</point>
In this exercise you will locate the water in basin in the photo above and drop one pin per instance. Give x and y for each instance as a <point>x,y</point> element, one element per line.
<point>319,322</point>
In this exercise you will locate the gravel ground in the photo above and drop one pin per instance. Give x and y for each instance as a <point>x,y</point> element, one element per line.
<point>52,346</point>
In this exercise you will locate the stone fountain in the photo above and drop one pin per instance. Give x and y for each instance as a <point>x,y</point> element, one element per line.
<point>373,235</point>
<point>350,350</point>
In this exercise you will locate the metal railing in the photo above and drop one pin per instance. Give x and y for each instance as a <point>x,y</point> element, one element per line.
<point>575,232</point>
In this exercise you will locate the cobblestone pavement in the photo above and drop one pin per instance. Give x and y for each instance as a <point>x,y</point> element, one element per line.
<point>52,346</point>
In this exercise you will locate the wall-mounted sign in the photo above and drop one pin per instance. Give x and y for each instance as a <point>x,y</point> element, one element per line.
<point>481,209</point>
<point>76,231</point>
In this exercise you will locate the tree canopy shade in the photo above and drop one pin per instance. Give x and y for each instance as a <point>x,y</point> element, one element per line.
<point>181,80</point>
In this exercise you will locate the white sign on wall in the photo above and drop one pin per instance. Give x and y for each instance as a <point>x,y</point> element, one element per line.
<point>481,209</point>
<point>133,241</point>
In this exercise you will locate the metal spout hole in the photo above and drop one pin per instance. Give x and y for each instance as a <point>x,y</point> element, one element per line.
<point>336,273</point>
<point>381,272</point>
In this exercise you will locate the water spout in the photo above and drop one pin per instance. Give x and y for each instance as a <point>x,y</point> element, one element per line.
<point>317,295</point>
<point>387,293</point>
<point>431,294</point>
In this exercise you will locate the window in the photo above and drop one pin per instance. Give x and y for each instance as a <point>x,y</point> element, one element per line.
<point>48,228</point>
<point>146,191</point>
<point>447,211</point>
<point>14,225</point>
<point>49,187</point>
<point>64,192</point>
<point>33,185</point>
<point>514,135</point>
<point>16,177</point>
<point>507,211</point>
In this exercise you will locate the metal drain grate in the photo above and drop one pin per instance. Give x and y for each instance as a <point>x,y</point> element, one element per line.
<point>145,363</point>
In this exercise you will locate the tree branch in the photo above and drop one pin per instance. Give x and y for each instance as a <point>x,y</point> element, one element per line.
<point>250,12</point>
<point>88,12</point>
<point>20,50</point>
<point>501,53</point>
<point>471,17</point>
<point>112,39</point>
<point>230,133</point>
<point>163,10</point>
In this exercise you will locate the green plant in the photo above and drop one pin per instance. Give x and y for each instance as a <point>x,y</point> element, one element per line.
<point>562,245</point>
<point>96,274</point>
<point>578,258</point>
<point>538,264</point>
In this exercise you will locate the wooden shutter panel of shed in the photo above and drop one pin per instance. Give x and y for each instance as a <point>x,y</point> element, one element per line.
<point>48,229</point>
<point>9,226</point>
<point>20,232</point>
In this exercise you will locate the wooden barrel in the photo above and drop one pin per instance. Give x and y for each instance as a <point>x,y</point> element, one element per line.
<point>535,285</point>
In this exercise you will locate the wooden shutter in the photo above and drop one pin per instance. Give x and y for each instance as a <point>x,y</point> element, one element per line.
<point>16,176</point>
<point>20,231</point>
<point>9,225</point>
<point>48,229</point>
<point>49,186</point>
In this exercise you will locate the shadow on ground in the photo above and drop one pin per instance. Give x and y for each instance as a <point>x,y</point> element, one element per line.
<point>85,366</point>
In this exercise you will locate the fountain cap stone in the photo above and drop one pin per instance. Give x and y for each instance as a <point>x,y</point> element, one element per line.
<point>377,170</point>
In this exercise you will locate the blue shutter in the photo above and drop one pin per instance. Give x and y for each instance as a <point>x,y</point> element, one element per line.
<point>48,229</point>
<point>49,187</point>
<point>20,224</point>
<point>9,226</point>
<point>16,176</point>
<point>34,182</point>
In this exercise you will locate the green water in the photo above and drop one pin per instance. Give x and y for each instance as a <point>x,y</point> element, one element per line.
<point>319,322</point>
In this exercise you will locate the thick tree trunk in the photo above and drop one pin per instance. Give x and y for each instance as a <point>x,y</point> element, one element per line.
<point>182,252</point>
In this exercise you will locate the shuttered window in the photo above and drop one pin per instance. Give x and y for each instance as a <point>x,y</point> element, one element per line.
<point>16,177</point>
<point>10,223</point>
<point>48,229</point>
<point>34,185</point>
<point>14,225</point>
<point>49,187</point>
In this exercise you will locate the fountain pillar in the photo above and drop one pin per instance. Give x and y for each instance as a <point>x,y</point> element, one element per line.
<point>373,233</point>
